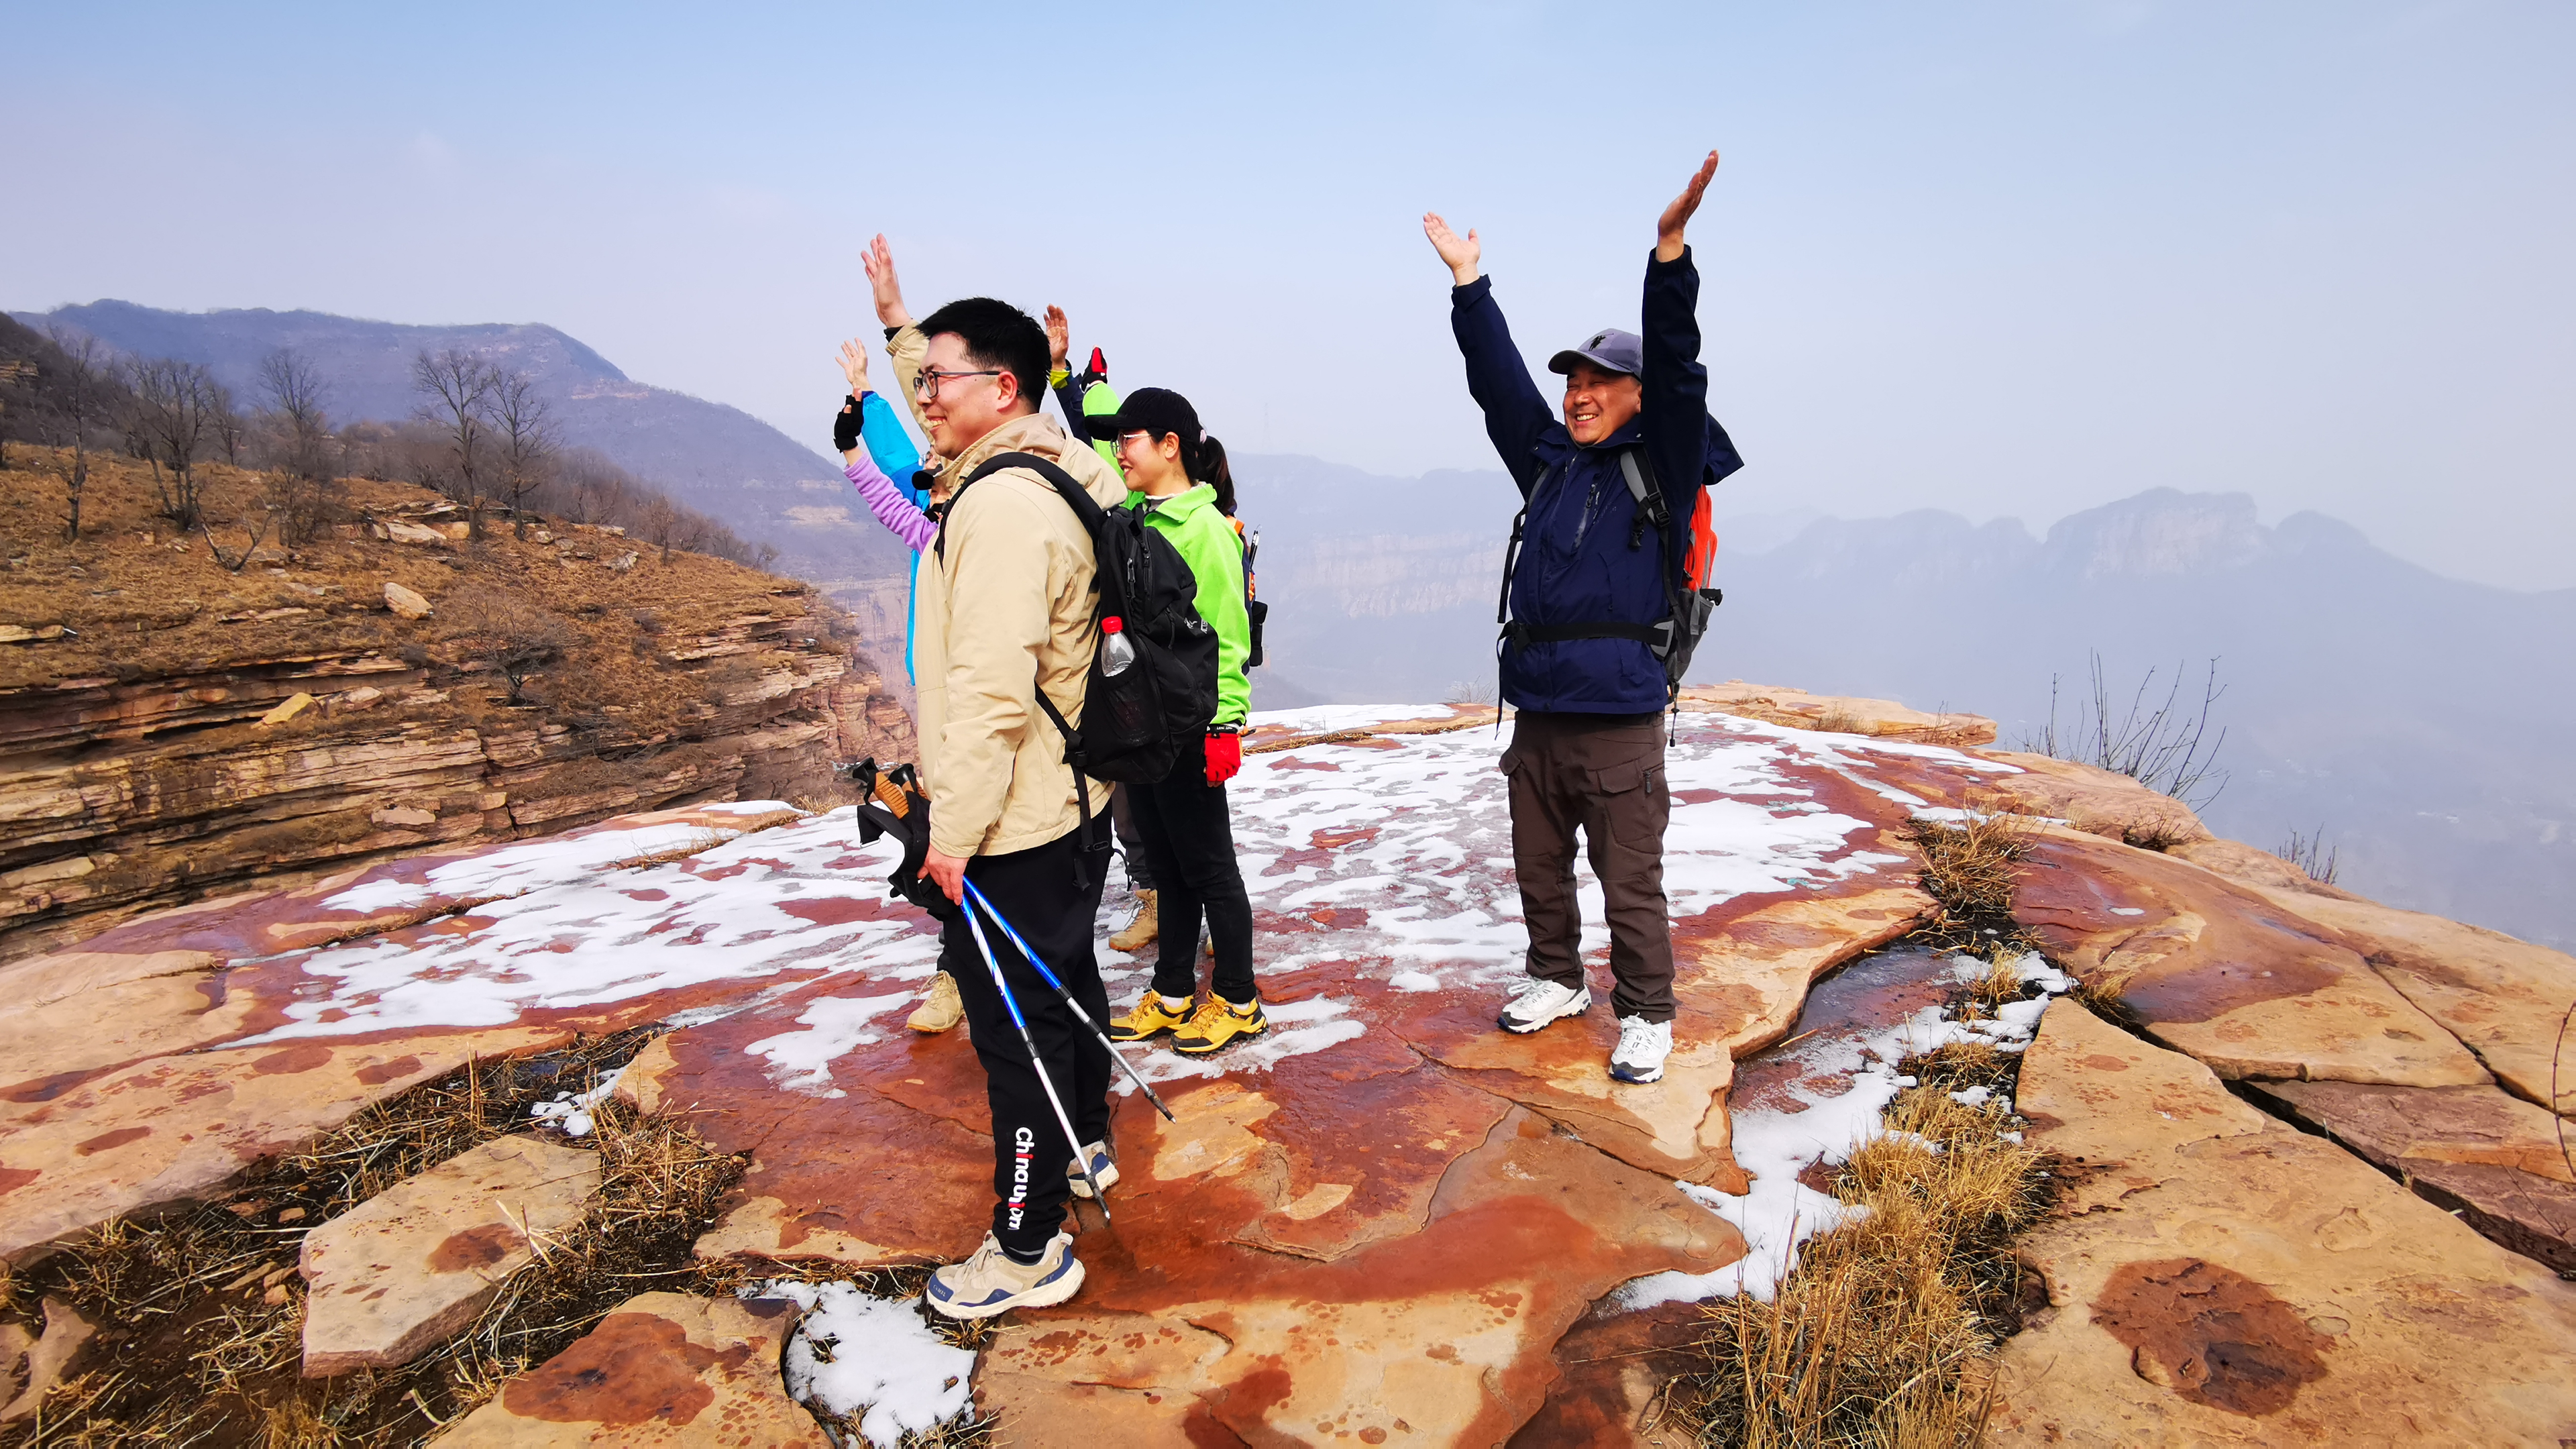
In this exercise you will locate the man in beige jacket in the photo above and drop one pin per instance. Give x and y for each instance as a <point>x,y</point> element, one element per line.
<point>1005,607</point>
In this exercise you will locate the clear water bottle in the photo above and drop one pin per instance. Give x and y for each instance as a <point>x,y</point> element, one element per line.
<point>1116,654</point>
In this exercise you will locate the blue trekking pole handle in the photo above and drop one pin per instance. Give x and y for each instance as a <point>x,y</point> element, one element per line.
<point>979,898</point>
<point>1071,1141</point>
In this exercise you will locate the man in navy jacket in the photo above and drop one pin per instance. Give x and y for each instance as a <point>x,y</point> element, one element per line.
<point>1589,589</point>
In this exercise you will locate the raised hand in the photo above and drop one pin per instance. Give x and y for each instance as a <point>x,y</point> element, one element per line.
<point>854,365</point>
<point>879,261</point>
<point>1668,230</point>
<point>1059,337</point>
<point>1461,255</point>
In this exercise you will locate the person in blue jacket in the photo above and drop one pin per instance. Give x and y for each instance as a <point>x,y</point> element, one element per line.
<point>1588,591</point>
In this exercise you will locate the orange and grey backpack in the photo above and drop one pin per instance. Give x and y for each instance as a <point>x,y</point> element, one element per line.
<point>1688,598</point>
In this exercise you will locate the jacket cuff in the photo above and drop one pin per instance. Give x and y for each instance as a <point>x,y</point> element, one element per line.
<point>1462,298</point>
<point>1657,266</point>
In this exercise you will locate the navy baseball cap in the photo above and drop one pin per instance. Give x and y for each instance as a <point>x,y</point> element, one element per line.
<point>1609,349</point>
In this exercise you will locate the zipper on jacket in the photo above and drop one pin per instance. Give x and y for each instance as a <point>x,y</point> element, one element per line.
<point>1591,505</point>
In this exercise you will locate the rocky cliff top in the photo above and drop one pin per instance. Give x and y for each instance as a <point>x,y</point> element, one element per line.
<point>1385,1220</point>
<point>174,726</point>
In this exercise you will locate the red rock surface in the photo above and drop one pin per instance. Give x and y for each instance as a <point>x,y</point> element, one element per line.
<point>2214,1277</point>
<point>2223,973</point>
<point>2506,999</point>
<point>407,1269</point>
<point>665,1369</point>
<point>170,1054</point>
<point>1846,714</point>
<point>1388,942</point>
<point>2497,1160</point>
<point>1385,1220</point>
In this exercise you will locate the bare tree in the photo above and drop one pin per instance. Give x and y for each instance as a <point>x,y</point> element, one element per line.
<point>17,387</point>
<point>172,416</point>
<point>511,634</point>
<point>660,523</point>
<point>296,397</point>
<point>225,419</point>
<point>80,402</point>
<point>524,435</point>
<point>234,563</point>
<point>2163,746</point>
<point>456,392</point>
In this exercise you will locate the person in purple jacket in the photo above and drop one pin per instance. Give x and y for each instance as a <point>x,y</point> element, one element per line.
<point>1593,619</point>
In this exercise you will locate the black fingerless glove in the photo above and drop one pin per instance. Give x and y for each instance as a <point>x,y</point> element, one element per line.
<point>845,426</point>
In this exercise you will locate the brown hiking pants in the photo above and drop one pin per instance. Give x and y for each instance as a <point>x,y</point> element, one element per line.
<point>1573,772</point>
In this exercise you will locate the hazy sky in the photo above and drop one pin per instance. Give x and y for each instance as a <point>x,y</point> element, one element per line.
<point>1999,259</point>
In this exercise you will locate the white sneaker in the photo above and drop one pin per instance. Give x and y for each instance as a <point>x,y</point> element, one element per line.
<point>1541,1002</point>
<point>989,1283</point>
<point>1104,1168</point>
<point>1643,1045</point>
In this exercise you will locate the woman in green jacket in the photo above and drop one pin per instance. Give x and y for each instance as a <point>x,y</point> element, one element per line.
<point>1179,478</point>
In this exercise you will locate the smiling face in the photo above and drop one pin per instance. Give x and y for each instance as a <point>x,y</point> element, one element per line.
<point>961,409</point>
<point>1153,464</point>
<point>1599,402</point>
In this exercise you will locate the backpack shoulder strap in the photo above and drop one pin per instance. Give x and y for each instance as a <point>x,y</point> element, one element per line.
<point>1076,497</point>
<point>1633,465</point>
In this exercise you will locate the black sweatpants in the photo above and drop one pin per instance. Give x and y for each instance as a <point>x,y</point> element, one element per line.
<point>1602,778</point>
<point>1189,837</point>
<point>1038,892</point>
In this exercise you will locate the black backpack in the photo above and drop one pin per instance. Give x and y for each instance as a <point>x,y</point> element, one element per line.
<point>1135,723</point>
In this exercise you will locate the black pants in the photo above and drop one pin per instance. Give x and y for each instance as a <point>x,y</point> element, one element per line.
<point>1189,837</point>
<point>1605,779</point>
<point>1140,871</point>
<point>1038,892</point>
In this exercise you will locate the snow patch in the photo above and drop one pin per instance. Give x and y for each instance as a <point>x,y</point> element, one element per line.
<point>569,1112</point>
<point>1781,1213</point>
<point>801,1061</point>
<point>871,1359</point>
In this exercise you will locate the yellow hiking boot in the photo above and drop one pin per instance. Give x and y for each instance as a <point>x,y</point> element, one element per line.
<point>1217,1023</point>
<point>940,1009</point>
<point>1152,1017</point>
<point>1139,933</point>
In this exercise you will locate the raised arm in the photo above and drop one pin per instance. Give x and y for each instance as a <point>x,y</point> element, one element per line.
<point>866,419</point>
<point>1516,412</point>
<point>904,342</point>
<point>1680,439</point>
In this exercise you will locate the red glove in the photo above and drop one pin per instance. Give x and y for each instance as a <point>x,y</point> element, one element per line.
<point>1224,756</point>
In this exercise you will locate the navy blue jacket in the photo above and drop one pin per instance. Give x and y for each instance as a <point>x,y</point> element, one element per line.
<point>1577,563</point>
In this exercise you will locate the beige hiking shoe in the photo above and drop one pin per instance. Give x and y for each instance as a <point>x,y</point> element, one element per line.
<point>1140,932</point>
<point>989,1283</point>
<point>939,1010</point>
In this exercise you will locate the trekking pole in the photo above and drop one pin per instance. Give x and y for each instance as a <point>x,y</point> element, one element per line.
<point>1080,1159</point>
<point>1067,998</point>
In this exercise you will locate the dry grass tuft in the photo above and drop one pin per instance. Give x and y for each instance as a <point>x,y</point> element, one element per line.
<point>1886,1333</point>
<point>1968,869</point>
<point>1838,721</point>
<point>1961,1064</point>
<point>196,1353</point>
<point>2102,998</point>
<point>698,843</point>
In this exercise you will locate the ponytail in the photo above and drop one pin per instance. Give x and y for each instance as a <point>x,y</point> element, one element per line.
<point>1205,462</point>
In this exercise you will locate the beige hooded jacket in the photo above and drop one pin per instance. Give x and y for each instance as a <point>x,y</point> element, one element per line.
<point>1004,607</point>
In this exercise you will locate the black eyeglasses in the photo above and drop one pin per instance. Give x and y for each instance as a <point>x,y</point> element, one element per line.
<point>927,385</point>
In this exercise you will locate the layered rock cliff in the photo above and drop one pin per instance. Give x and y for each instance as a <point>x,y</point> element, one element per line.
<point>144,761</point>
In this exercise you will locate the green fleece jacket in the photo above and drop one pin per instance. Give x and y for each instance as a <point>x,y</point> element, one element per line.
<point>1206,541</point>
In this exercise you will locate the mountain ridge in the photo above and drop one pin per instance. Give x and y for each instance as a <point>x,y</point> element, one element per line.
<point>713,457</point>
